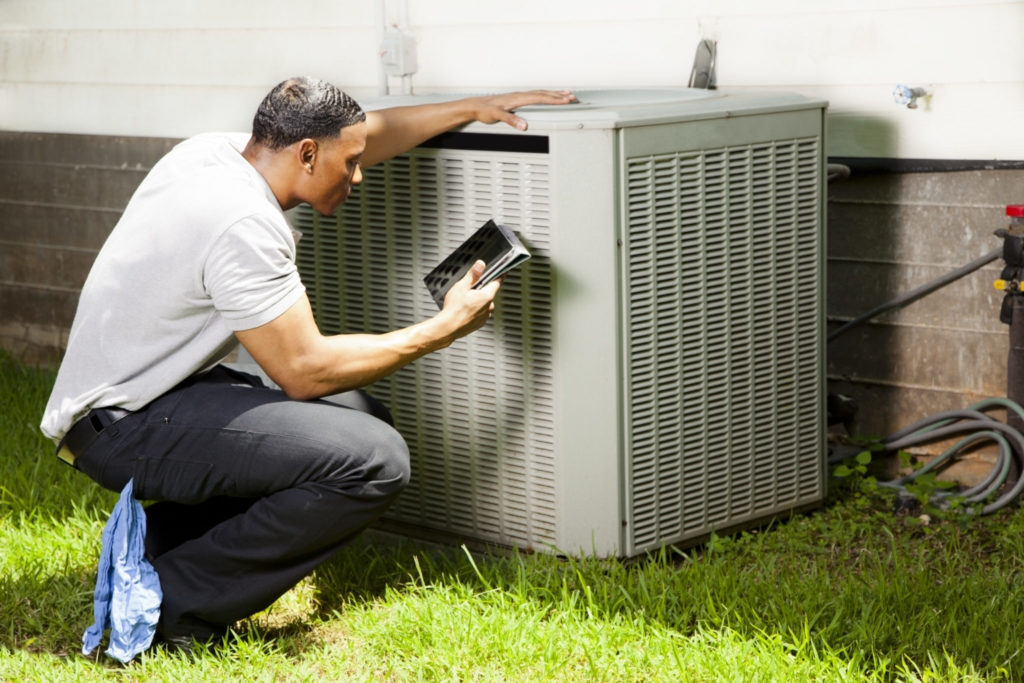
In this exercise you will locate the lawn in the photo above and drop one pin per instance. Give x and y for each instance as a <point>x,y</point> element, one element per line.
<point>850,592</point>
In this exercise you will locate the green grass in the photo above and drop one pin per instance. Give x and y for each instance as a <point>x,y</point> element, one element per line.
<point>850,592</point>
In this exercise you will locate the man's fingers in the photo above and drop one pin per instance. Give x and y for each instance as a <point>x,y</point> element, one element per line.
<point>557,96</point>
<point>503,106</point>
<point>515,122</point>
<point>542,97</point>
<point>475,271</point>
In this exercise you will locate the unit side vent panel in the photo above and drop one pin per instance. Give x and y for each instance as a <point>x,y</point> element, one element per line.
<point>478,416</point>
<point>723,310</point>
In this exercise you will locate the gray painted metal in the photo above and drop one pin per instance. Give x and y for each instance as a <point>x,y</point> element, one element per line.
<point>654,373</point>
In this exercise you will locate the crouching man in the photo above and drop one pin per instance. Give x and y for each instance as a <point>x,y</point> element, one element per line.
<point>254,487</point>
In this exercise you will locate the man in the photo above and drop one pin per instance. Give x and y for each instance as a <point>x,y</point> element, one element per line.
<point>256,486</point>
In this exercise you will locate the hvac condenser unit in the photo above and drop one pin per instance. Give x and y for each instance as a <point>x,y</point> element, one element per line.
<point>655,372</point>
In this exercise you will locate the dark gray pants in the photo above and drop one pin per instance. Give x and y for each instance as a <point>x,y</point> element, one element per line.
<point>255,489</point>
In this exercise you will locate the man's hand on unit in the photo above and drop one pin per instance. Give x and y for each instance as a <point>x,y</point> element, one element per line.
<point>495,108</point>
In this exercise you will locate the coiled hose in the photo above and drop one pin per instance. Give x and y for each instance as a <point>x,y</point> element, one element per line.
<point>979,427</point>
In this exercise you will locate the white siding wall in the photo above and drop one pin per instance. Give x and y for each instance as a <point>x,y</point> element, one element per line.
<point>173,68</point>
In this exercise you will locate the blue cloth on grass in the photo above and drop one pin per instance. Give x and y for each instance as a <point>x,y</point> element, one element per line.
<point>127,596</point>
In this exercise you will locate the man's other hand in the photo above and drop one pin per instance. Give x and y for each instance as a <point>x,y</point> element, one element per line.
<point>495,108</point>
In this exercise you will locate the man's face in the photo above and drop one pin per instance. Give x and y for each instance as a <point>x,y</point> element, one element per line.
<point>336,169</point>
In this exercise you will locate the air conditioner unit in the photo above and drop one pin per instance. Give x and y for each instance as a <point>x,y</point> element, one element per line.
<point>655,372</point>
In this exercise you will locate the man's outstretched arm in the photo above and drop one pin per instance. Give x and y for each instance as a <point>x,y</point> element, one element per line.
<point>390,132</point>
<point>307,365</point>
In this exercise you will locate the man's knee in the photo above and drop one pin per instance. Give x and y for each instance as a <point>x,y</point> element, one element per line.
<point>358,399</point>
<point>394,471</point>
<point>373,465</point>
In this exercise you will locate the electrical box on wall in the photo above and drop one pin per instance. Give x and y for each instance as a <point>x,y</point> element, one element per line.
<point>655,372</point>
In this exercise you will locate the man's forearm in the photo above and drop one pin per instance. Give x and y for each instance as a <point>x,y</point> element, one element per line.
<point>306,364</point>
<point>390,132</point>
<point>350,361</point>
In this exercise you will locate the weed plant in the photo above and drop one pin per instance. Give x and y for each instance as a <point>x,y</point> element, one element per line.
<point>852,591</point>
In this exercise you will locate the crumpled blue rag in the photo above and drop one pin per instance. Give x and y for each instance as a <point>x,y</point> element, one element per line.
<point>127,596</point>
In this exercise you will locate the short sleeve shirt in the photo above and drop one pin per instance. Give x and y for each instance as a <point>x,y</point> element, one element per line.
<point>202,250</point>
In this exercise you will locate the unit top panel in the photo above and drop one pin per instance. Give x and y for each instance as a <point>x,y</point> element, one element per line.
<point>622,108</point>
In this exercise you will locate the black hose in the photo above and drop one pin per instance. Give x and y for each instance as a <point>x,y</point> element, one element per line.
<point>915,294</point>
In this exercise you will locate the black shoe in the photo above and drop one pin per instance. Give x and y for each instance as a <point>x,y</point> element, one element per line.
<point>174,643</point>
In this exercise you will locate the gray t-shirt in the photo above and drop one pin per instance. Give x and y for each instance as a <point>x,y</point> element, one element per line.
<point>202,250</point>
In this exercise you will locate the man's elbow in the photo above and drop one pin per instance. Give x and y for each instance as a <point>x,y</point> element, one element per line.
<point>300,391</point>
<point>299,382</point>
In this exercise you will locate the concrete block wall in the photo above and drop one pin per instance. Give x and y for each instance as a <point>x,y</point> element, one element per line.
<point>888,234</point>
<point>60,195</point>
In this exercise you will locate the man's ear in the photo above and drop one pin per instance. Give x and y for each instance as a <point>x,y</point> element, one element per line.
<point>307,149</point>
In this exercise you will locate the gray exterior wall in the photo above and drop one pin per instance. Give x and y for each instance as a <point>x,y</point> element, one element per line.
<point>888,234</point>
<point>60,195</point>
